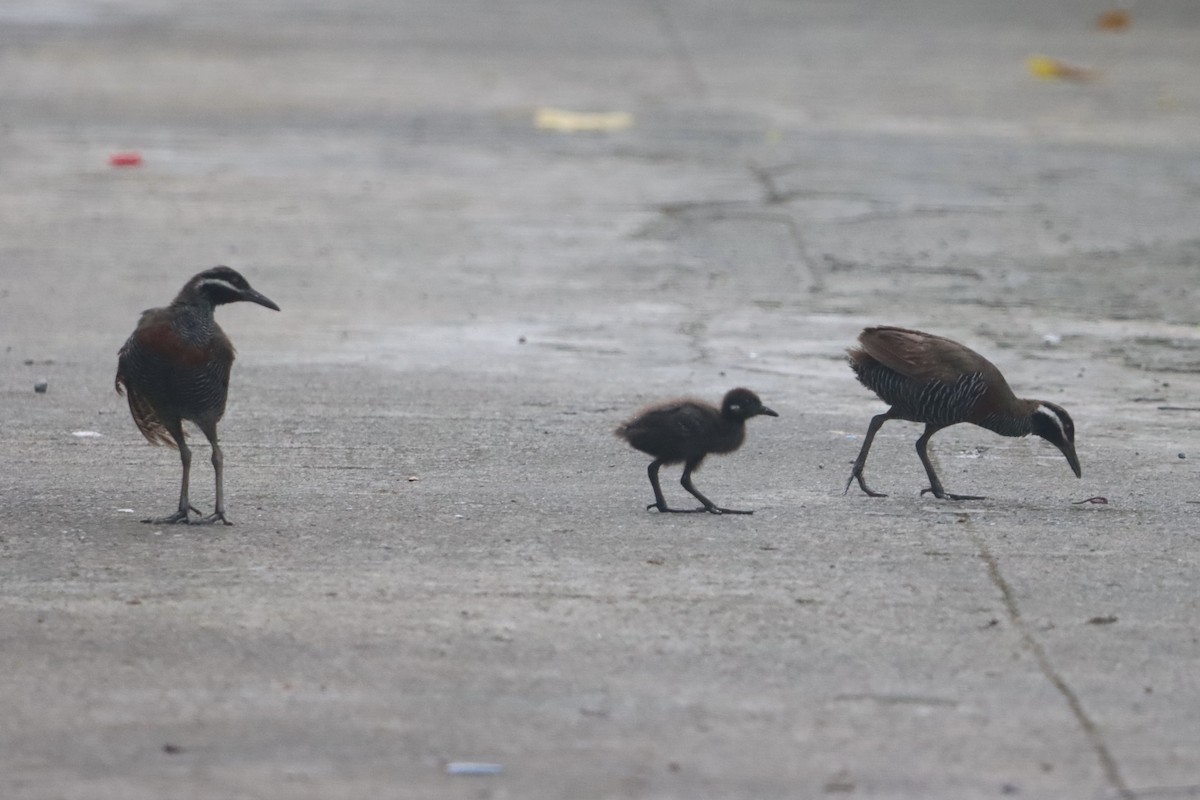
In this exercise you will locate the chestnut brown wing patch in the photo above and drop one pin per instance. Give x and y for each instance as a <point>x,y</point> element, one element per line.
<point>129,380</point>
<point>158,336</point>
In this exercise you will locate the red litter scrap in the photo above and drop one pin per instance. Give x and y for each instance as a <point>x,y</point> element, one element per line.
<point>130,159</point>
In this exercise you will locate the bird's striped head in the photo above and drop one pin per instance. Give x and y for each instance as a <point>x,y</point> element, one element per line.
<point>222,285</point>
<point>1054,424</point>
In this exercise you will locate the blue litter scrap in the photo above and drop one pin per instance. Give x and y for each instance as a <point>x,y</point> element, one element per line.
<point>473,768</point>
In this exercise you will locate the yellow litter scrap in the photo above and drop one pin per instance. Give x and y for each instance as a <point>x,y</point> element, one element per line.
<point>563,121</point>
<point>1049,69</point>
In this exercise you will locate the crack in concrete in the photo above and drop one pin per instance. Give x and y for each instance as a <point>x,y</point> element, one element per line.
<point>732,212</point>
<point>695,330</point>
<point>1108,763</point>
<point>771,194</point>
<point>679,49</point>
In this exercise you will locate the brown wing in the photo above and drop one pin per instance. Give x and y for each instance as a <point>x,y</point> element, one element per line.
<point>924,356</point>
<point>140,407</point>
<point>145,417</point>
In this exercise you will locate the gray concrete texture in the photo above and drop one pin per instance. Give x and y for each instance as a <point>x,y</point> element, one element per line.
<point>442,553</point>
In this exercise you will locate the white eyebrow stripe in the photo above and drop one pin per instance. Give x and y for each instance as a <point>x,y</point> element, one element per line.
<point>224,284</point>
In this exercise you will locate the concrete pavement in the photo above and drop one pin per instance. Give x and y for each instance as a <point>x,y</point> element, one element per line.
<point>441,552</point>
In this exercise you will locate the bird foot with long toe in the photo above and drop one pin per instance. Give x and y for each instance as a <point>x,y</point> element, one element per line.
<point>862,484</point>
<point>213,519</point>
<point>719,510</point>
<point>947,496</point>
<point>180,517</point>
<point>667,510</point>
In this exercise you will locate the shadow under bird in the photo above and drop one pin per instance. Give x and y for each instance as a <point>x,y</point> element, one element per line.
<point>175,366</point>
<point>939,382</point>
<point>688,430</point>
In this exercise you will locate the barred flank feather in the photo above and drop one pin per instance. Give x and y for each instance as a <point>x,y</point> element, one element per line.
<point>144,417</point>
<point>935,402</point>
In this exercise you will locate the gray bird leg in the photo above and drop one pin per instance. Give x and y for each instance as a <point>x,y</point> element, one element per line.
<point>218,462</point>
<point>709,506</point>
<point>185,456</point>
<point>935,485</point>
<point>861,462</point>
<point>660,502</point>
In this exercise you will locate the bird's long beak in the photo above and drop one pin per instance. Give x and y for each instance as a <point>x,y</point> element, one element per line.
<point>768,412</point>
<point>257,297</point>
<point>1068,450</point>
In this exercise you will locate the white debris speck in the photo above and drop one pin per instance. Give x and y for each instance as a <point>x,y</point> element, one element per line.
<point>87,434</point>
<point>1052,339</point>
<point>126,510</point>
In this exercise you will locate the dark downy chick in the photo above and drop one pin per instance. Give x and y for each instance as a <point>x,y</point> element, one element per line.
<point>688,430</point>
<point>939,382</point>
<point>175,366</point>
